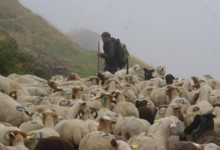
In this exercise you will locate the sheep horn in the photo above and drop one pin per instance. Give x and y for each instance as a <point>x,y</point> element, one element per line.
<point>96,113</point>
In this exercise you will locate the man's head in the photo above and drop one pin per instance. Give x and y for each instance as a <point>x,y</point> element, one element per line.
<point>106,37</point>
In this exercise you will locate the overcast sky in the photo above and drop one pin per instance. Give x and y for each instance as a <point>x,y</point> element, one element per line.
<point>184,35</point>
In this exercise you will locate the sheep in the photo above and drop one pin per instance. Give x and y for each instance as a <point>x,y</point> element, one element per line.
<point>130,126</point>
<point>54,86</point>
<point>96,140</point>
<point>64,112</point>
<point>128,108</point>
<point>192,146</point>
<point>73,77</point>
<point>102,77</point>
<point>111,85</point>
<point>148,73</point>
<point>3,147</point>
<point>161,113</point>
<point>160,71</point>
<point>129,95</point>
<point>72,130</point>
<point>48,130</point>
<point>105,125</point>
<point>92,80</point>
<point>208,77</point>
<point>172,92</point>
<point>8,85</point>
<point>21,79</point>
<point>120,145</point>
<point>66,94</point>
<point>146,114</point>
<point>106,100</point>
<point>145,102</point>
<point>108,74</point>
<point>11,111</point>
<point>130,87</point>
<point>94,103</point>
<point>16,140</point>
<point>203,94</point>
<point>77,93</point>
<point>192,111</point>
<point>157,141</point>
<point>87,116</point>
<point>206,132</point>
<point>169,79</point>
<point>53,143</point>
<point>130,79</point>
<point>35,91</point>
<point>36,123</point>
<point>4,137</point>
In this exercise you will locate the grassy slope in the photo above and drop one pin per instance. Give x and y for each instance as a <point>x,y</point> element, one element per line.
<point>50,47</point>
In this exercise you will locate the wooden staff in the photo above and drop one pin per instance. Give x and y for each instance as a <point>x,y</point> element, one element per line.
<point>98,56</point>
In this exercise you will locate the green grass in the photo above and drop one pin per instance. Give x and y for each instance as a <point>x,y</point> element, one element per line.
<point>47,44</point>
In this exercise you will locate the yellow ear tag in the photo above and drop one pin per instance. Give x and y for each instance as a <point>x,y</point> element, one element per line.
<point>191,83</point>
<point>84,89</point>
<point>114,94</point>
<point>166,89</point>
<point>148,103</point>
<point>156,121</point>
<point>175,78</point>
<point>96,73</point>
<point>210,83</point>
<point>135,147</point>
<point>133,80</point>
<point>180,82</point>
<point>205,81</point>
<point>52,90</point>
<point>119,75</point>
<point>104,87</point>
<point>198,79</point>
<point>148,97</point>
<point>181,91</point>
<point>213,93</point>
<point>161,80</point>
<point>59,117</point>
<point>13,95</point>
<point>29,137</point>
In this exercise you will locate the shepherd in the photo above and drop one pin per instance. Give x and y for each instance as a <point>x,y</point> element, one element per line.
<point>115,53</point>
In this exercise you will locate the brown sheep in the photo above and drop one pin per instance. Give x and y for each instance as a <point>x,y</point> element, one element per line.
<point>73,77</point>
<point>146,114</point>
<point>53,143</point>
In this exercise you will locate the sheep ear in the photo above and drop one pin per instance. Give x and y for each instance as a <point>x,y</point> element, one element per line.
<point>114,143</point>
<point>172,123</point>
<point>195,145</point>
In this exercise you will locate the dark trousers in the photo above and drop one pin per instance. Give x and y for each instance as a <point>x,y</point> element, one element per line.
<point>110,68</point>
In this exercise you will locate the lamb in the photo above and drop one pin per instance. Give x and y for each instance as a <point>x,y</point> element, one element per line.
<point>87,116</point>
<point>72,130</point>
<point>157,141</point>
<point>130,126</point>
<point>148,73</point>
<point>206,126</point>
<point>106,100</point>
<point>48,130</point>
<point>16,140</point>
<point>193,146</point>
<point>128,108</point>
<point>160,71</point>
<point>11,111</point>
<point>53,143</point>
<point>192,111</point>
<point>100,140</point>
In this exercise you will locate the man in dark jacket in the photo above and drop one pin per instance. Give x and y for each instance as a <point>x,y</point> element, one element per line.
<point>110,50</point>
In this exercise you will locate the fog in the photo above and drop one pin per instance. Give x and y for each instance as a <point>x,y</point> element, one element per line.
<point>181,34</point>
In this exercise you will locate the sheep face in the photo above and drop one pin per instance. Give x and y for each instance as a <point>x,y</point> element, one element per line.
<point>105,125</point>
<point>77,90</point>
<point>169,79</point>
<point>87,113</point>
<point>94,80</point>
<point>170,90</point>
<point>15,135</point>
<point>143,103</point>
<point>130,79</point>
<point>148,73</point>
<point>196,81</point>
<point>73,77</point>
<point>50,116</point>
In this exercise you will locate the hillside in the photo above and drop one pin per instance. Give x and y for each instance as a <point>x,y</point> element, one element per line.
<point>53,51</point>
<point>86,38</point>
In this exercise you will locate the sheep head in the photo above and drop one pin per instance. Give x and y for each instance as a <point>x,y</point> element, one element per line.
<point>94,80</point>
<point>73,77</point>
<point>87,113</point>
<point>16,134</point>
<point>142,103</point>
<point>170,90</point>
<point>105,125</point>
<point>118,95</point>
<point>106,99</point>
<point>77,90</point>
<point>111,80</point>
<point>52,115</point>
<point>13,94</point>
<point>196,81</point>
<point>169,79</point>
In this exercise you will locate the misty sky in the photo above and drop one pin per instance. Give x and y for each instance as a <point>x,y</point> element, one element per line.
<point>181,34</point>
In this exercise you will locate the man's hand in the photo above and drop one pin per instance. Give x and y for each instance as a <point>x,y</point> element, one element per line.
<point>98,54</point>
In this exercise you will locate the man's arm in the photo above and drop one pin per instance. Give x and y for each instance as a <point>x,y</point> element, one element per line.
<point>112,47</point>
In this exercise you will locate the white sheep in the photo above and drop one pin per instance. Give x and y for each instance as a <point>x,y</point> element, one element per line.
<point>11,111</point>
<point>135,70</point>
<point>203,94</point>
<point>72,130</point>
<point>4,138</point>
<point>130,126</point>
<point>48,130</point>
<point>122,107</point>
<point>158,140</point>
<point>129,95</point>
<point>36,91</point>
